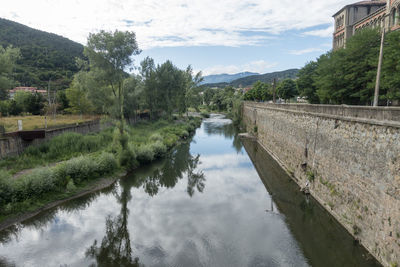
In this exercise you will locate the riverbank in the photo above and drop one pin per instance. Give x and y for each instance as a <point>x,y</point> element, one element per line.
<point>86,161</point>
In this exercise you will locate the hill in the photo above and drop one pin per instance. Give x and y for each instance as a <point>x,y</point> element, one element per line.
<point>250,80</point>
<point>44,56</point>
<point>226,78</point>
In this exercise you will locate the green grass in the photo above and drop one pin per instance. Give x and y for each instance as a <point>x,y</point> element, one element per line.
<point>32,122</point>
<point>62,147</point>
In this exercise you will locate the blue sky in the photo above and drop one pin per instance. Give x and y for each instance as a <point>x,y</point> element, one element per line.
<point>225,36</point>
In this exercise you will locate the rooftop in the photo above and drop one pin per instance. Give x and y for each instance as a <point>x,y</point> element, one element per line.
<point>364,3</point>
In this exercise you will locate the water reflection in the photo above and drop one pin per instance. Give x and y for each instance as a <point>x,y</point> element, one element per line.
<point>115,248</point>
<point>323,241</point>
<point>203,205</point>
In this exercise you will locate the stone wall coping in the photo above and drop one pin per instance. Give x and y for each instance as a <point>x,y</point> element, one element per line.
<point>331,111</point>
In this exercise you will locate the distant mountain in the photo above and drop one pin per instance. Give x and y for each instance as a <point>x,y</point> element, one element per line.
<point>221,78</point>
<point>45,56</point>
<point>250,80</point>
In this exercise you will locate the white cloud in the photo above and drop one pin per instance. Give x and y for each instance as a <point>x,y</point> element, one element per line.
<point>321,33</point>
<point>174,22</point>
<point>259,66</point>
<point>305,51</point>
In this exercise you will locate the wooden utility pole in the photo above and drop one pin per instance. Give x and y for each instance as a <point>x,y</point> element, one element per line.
<point>378,74</point>
<point>274,90</point>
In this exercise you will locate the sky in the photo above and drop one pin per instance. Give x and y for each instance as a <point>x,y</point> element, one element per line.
<point>213,36</point>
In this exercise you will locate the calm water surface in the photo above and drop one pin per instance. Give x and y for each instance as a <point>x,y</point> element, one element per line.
<point>206,204</point>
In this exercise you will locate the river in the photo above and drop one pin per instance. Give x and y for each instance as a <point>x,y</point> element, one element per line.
<point>205,204</point>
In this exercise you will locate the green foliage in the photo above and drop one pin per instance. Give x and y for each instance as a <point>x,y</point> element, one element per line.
<point>391,68</point>
<point>18,194</point>
<point>8,58</point>
<point>347,76</point>
<point>260,92</point>
<point>109,53</point>
<point>59,148</point>
<point>306,82</point>
<point>63,177</point>
<point>310,176</point>
<point>287,89</point>
<point>44,56</point>
<point>145,154</point>
<point>127,157</point>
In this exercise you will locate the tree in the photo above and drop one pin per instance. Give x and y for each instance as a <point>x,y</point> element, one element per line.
<point>287,89</point>
<point>391,67</point>
<point>77,95</point>
<point>305,82</point>
<point>8,58</point>
<point>208,96</point>
<point>22,100</point>
<point>110,54</point>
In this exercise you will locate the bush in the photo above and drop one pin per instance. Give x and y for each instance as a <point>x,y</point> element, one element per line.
<point>159,149</point>
<point>5,188</point>
<point>170,140</point>
<point>156,137</point>
<point>127,157</point>
<point>33,185</point>
<point>145,153</point>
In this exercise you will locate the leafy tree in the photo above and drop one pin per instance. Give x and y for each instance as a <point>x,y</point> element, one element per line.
<point>151,96</point>
<point>8,58</point>
<point>208,96</point>
<point>62,100</point>
<point>305,82</point>
<point>132,98</point>
<point>22,100</point>
<point>77,95</point>
<point>287,89</point>
<point>110,53</point>
<point>347,76</point>
<point>391,67</point>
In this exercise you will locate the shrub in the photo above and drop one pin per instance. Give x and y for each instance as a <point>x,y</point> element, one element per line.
<point>145,153</point>
<point>159,149</point>
<point>71,186</point>
<point>170,140</point>
<point>80,169</point>
<point>127,157</point>
<point>5,188</point>
<point>34,184</point>
<point>156,137</point>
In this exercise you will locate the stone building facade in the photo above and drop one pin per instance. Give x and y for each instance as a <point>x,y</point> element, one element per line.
<point>382,14</point>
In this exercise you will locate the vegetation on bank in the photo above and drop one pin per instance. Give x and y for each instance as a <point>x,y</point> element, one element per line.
<point>84,159</point>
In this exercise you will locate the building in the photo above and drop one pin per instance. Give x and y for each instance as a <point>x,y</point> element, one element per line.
<point>382,14</point>
<point>31,90</point>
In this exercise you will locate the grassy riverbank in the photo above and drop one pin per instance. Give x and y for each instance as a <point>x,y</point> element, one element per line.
<point>78,161</point>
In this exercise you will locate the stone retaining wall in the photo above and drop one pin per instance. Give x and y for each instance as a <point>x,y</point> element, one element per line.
<point>12,144</point>
<point>350,155</point>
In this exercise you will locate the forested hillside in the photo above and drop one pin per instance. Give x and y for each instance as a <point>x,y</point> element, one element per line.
<point>265,78</point>
<point>44,56</point>
<point>225,78</point>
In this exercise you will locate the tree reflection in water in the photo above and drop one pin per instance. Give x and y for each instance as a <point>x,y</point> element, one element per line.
<point>228,130</point>
<point>115,248</point>
<point>174,167</point>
